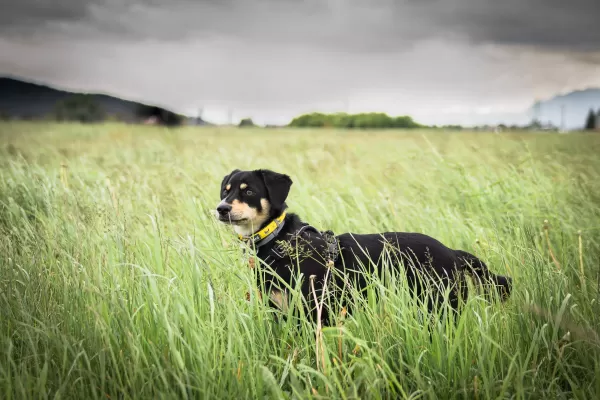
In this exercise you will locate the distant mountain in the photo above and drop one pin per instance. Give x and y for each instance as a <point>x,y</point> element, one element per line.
<point>26,100</point>
<point>576,105</point>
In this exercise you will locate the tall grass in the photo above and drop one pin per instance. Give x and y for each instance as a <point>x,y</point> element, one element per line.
<point>116,281</point>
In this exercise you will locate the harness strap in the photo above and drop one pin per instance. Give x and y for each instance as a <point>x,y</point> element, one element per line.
<point>332,248</point>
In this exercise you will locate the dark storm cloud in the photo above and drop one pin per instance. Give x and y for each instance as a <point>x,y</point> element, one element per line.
<point>442,61</point>
<point>346,25</point>
<point>26,16</point>
<point>552,24</point>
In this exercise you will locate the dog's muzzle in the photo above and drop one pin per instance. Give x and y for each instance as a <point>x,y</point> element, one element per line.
<point>223,209</point>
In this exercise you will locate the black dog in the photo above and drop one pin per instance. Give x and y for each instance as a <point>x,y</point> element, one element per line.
<point>254,203</point>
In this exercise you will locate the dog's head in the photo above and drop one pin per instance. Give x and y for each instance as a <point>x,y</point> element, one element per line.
<point>251,198</point>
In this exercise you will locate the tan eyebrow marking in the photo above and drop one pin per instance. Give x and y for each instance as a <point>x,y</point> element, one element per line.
<point>228,186</point>
<point>243,186</point>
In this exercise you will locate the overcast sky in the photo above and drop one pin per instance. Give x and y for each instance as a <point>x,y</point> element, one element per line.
<point>442,61</point>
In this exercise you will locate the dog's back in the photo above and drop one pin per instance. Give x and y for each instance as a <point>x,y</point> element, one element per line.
<point>422,256</point>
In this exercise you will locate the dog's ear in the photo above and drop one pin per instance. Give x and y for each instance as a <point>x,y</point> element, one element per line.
<point>226,179</point>
<point>278,186</point>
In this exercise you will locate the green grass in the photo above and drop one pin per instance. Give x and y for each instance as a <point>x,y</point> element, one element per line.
<point>116,282</point>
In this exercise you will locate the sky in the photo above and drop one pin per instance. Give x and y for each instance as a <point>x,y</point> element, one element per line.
<point>440,61</point>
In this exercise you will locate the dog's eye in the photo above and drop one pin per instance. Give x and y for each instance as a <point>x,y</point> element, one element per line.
<point>249,192</point>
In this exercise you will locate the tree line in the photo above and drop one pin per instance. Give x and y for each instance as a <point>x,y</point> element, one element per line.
<point>593,120</point>
<point>353,121</point>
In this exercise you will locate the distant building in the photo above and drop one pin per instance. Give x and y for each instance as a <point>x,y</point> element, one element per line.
<point>153,120</point>
<point>195,121</point>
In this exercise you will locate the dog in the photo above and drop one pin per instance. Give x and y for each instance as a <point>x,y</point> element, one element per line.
<point>323,264</point>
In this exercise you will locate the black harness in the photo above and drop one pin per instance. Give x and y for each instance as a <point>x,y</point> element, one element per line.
<point>278,249</point>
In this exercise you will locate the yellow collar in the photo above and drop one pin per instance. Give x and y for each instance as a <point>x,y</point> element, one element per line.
<point>272,228</point>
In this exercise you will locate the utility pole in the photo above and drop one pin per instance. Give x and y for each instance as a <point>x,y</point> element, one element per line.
<point>562,118</point>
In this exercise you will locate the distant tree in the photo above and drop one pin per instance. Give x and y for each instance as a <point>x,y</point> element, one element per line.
<point>405,122</point>
<point>535,125</point>
<point>246,122</point>
<point>314,120</point>
<point>78,107</point>
<point>452,127</point>
<point>590,122</point>
<point>342,120</point>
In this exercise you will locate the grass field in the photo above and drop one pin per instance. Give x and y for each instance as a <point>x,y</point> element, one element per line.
<point>116,281</point>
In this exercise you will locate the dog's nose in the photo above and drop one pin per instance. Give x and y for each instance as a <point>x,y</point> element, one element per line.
<point>223,209</point>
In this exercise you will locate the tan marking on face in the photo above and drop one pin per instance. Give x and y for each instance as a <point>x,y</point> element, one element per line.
<point>243,186</point>
<point>228,186</point>
<point>240,210</point>
<point>280,299</point>
<point>266,206</point>
<point>254,218</point>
